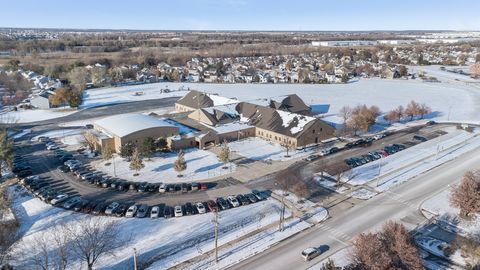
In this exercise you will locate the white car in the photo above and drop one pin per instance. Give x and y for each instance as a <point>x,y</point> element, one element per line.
<point>233,201</point>
<point>178,211</point>
<point>60,198</point>
<point>200,208</point>
<point>379,136</point>
<point>162,188</point>
<point>111,208</point>
<point>324,152</point>
<point>52,147</point>
<point>131,211</point>
<point>154,212</point>
<point>32,177</point>
<point>310,253</point>
<point>71,162</point>
<point>50,143</point>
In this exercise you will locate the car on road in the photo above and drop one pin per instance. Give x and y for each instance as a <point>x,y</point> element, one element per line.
<point>59,198</point>
<point>131,211</point>
<point>154,212</point>
<point>111,208</point>
<point>233,201</point>
<point>70,203</point>
<point>178,211</point>
<point>142,211</point>
<point>310,253</point>
<point>312,157</point>
<point>200,208</point>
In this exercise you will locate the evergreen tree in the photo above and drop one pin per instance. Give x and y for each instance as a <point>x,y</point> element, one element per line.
<point>126,150</point>
<point>148,147</point>
<point>224,155</point>
<point>162,144</point>
<point>107,153</point>
<point>180,164</point>
<point>136,164</point>
<point>6,149</point>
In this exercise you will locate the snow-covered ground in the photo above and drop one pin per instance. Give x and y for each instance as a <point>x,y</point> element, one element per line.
<point>449,100</point>
<point>448,216</point>
<point>173,240</point>
<point>340,258</point>
<point>363,194</point>
<point>395,169</point>
<point>112,95</point>
<point>27,116</point>
<point>22,133</point>
<point>257,149</point>
<point>201,164</point>
<point>327,182</point>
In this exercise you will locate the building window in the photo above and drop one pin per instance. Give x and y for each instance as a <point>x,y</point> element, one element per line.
<point>313,131</point>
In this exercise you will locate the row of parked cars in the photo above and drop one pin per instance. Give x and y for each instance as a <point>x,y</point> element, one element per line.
<point>21,167</point>
<point>42,189</point>
<point>374,155</point>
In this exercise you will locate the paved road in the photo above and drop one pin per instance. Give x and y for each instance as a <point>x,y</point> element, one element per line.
<point>400,203</point>
<point>107,110</point>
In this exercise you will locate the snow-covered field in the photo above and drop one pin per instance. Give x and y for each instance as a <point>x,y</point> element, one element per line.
<point>27,116</point>
<point>449,100</point>
<point>174,240</point>
<point>395,169</point>
<point>448,216</point>
<point>258,149</point>
<point>112,95</point>
<point>201,164</point>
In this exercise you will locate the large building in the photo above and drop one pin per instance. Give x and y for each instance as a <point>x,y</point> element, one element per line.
<point>116,131</point>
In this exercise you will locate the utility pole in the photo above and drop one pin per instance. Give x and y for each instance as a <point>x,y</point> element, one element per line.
<point>215,222</point>
<point>134,258</point>
<point>282,212</point>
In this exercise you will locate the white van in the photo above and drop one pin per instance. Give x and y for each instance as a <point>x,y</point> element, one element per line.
<point>310,253</point>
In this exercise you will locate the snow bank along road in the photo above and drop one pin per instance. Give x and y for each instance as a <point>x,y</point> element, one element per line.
<point>400,203</point>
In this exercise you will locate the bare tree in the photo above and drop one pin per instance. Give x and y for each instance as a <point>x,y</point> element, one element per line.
<point>391,248</point>
<point>466,196</point>
<point>89,140</point>
<point>94,238</point>
<point>412,109</point>
<point>345,112</point>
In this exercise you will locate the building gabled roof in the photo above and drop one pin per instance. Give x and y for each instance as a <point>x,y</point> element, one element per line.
<point>197,100</point>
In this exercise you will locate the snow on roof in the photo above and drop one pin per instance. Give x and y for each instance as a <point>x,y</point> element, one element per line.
<point>229,127</point>
<point>219,100</point>
<point>288,118</point>
<point>122,125</point>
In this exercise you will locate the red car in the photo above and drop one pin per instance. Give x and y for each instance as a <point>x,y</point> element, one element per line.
<point>212,206</point>
<point>203,186</point>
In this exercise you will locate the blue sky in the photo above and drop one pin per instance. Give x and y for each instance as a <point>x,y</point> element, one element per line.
<point>292,15</point>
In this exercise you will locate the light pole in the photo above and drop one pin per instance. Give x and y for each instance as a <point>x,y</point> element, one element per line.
<point>134,258</point>
<point>215,222</point>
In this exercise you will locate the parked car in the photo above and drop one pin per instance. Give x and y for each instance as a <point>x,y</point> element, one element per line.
<point>212,206</point>
<point>310,253</point>
<point>222,203</point>
<point>188,209</point>
<point>260,195</point>
<point>167,213</point>
<point>233,201</point>
<point>131,211</point>
<point>79,206</point>
<point>184,188</point>
<point>195,186</point>
<point>200,208</point>
<point>64,168</point>
<point>24,173</point>
<point>178,211</point>
<point>100,208</point>
<point>111,208</point>
<point>324,152</point>
<point>154,212</point>
<point>251,197</point>
<point>162,188</point>
<point>52,147</point>
<point>142,187</point>
<point>60,198</point>
<point>242,199</point>
<point>420,138</point>
<point>70,203</point>
<point>120,211</point>
<point>123,186</point>
<point>142,211</point>
<point>334,150</point>
<point>203,186</point>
